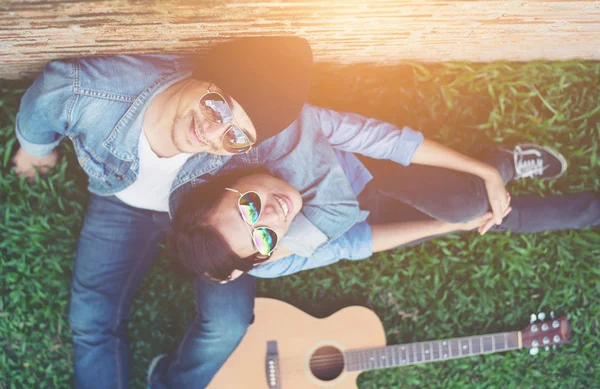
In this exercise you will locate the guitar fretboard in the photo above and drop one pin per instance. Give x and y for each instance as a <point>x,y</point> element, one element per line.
<point>437,350</point>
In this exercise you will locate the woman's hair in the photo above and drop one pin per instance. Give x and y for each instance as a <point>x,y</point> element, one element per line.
<point>198,248</point>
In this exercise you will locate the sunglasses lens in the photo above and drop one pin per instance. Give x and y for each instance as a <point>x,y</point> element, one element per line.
<point>250,207</point>
<point>265,240</point>
<point>236,141</point>
<point>215,109</point>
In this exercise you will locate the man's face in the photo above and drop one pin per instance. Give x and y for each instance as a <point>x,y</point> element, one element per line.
<point>192,132</point>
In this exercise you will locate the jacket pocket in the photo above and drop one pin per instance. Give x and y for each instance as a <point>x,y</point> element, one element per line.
<point>92,164</point>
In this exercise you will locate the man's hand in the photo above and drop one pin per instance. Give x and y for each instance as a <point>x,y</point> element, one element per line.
<point>25,164</point>
<point>498,197</point>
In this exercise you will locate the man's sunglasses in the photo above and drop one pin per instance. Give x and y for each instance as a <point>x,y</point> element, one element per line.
<point>215,109</point>
<point>265,239</point>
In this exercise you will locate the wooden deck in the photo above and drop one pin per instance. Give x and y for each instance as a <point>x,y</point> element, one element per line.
<point>348,31</point>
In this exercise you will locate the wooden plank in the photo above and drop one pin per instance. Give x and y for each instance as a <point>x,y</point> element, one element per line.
<point>342,31</point>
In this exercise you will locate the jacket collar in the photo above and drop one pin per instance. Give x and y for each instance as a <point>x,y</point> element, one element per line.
<point>124,137</point>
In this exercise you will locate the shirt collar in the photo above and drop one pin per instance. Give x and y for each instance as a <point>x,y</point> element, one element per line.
<point>123,139</point>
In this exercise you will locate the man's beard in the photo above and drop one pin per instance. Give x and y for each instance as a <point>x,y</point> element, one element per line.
<point>188,142</point>
<point>174,139</point>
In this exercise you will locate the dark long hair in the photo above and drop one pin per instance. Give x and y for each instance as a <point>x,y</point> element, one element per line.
<point>196,245</point>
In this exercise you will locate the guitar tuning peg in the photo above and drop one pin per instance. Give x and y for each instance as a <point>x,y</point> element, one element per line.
<point>532,318</point>
<point>556,338</point>
<point>541,315</point>
<point>534,351</point>
<point>552,315</point>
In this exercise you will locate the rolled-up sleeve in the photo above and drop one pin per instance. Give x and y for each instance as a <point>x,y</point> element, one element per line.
<point>355,244</point>
<point>407,143</point>
<point>44,114</point>
<point>370,137</point>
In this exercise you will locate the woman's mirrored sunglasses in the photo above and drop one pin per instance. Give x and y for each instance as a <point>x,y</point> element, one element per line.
<point>265,239</point>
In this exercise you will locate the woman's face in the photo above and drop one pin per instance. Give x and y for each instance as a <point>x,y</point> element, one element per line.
<point>280,204</point>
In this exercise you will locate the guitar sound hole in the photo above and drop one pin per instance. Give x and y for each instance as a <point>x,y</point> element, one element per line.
<point>327,363</point>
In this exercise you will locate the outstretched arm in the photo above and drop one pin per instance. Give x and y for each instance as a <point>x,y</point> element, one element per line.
<point>361,241</point>
<point>372,138</point>
<point>390,235</point>
<point>380,140</point>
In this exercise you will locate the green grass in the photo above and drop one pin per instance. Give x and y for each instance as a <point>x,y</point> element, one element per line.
<point>455,286</point>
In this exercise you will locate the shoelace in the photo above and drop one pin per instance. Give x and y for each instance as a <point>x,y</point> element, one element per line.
<point>528,168</point>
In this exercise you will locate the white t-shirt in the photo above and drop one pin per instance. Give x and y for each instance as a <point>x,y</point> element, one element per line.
<point>153,184</point>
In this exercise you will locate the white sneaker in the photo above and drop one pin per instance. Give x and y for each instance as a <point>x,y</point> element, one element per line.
<point>533,161</point>
<point>152,366</point>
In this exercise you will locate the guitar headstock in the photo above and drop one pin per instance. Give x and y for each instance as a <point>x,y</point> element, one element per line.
<point>545,333</point>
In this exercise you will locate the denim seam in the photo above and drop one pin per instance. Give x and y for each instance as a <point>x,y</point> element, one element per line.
<point>71,108</point>
<point>104,95</point>
<point>119,310</point>
<point>80,146</point>
<point>88,171</point>
<point>177,359</point>
<point>192,175</point>
<point>405,201</point>
<point>519,222</point>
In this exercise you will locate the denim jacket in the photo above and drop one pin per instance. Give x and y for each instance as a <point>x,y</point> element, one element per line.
<point>99,103</point>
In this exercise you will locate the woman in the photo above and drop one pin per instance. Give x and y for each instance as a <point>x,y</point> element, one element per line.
<point>233,224</point>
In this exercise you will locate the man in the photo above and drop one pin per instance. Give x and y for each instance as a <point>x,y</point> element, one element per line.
<point>145,128</point>
<point>142,127</point>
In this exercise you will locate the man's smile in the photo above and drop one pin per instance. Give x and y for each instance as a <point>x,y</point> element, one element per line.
<point>194,133</point>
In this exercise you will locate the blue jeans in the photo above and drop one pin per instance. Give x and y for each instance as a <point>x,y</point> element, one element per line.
<point>418,192</point>
<point>117,246</point>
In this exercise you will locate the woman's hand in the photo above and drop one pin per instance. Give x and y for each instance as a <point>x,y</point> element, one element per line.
<point>498,197</point>
<point>482,223</point>
<point>432,153</point>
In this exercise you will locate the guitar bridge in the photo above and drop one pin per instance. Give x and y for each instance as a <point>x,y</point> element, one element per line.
<point>272,366</point>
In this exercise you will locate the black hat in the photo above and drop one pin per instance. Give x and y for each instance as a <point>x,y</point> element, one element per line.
<point>268,76</point>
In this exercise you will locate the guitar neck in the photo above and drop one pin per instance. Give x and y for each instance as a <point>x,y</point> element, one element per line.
<point>423,352</point>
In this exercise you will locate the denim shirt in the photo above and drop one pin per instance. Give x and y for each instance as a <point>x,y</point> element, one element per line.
<point>355,244</point>
<point>99,103</point>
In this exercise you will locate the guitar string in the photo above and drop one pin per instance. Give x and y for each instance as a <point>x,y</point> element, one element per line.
<point>413,353</point>
<point>415,356</point>
<point>326,360</point>
<point>324,357</point>
<point>356,367</point>
<point>418,358</point>
<point>334,358</point>
<point>360,365</point>
<point>331,358</point>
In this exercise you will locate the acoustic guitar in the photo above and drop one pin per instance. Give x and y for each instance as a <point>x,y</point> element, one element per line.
<point>286,348</point>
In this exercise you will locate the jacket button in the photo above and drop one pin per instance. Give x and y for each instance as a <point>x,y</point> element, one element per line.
<point>119,177</point>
